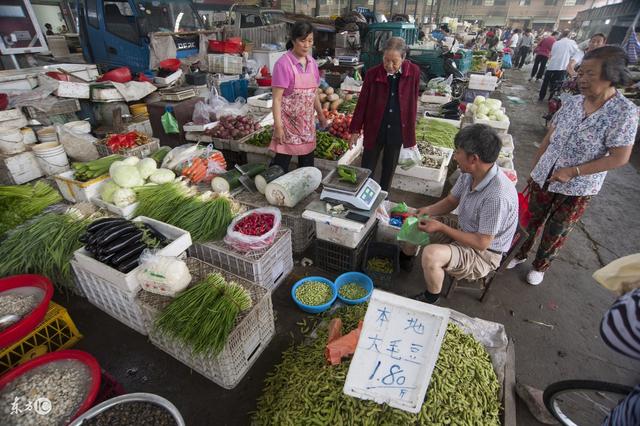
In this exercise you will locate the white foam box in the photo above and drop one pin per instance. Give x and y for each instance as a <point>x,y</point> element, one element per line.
<point>19,168</point>
<point>77,191</point>
<point>180,242</point>
<point>257,101</point>
<point>126,212</point>
<point>168,79</point>
<point>502,127</point>
<point>419,185</point>
<point>426,173</point>
<point>434,99</point>
<point>191,127</point>
<point>68,89</point>
<point>507,143</point>
<point>342,236</point>
<point>482,82</point>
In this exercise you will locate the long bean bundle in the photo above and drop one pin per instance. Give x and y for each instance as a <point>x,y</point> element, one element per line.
<point>19,203</point>
<point>205,216</point>
<point>203,316</point>
<point>43,246</point>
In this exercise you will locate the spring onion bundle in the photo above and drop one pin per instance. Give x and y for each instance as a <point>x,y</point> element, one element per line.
<point>19,203</point>
<point>204,315</point>
<point>205,216</point>
<point>43,246</point>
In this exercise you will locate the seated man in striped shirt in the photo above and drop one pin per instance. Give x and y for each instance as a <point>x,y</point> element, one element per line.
<point>487,201</point>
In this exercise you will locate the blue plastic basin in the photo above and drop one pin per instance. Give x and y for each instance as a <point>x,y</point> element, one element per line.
<point>314,309</point>
<point>358,278</point>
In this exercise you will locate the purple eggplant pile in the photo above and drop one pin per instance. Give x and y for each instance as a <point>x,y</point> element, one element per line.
<point>119,242</point>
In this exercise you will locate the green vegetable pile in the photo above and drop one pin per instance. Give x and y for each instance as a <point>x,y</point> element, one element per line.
<point>347,107</point>
<point>380,264</point>
<point>262,139</point>
<point>93,169</point>
<point>347,174</point>
<point>314,293</point>
<point>352,291</point>
<point>43,246</point>
<point>19,203</point>
<point>204,315</point>
<point>330,147</point>
<point>205,216</point>
<point>303,389</point>
<point>436,132</point>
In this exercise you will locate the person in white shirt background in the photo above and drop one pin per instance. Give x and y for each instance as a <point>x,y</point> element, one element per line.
<point>561,53</point>
<point>513,41</point>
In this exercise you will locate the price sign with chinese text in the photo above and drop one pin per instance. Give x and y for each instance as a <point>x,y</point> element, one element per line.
<point>397,351</point>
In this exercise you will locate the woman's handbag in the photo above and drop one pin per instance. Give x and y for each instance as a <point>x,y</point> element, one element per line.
<point>523,206</point>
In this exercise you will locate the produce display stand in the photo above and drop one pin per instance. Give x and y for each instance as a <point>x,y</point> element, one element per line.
<point>249,338</point>
<point>268,267</point>
<point>407,181</point>
<point>332,257</point>
<point>140,151</point>
<point>109,298</point>
<point>56,332</point>
<point>302,230</point>
<point>77,191</point>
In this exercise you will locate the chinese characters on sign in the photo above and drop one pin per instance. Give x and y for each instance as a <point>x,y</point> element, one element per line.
<point>397,351</point>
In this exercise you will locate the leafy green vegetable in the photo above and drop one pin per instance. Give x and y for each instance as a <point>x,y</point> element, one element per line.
<point>436,132</point>
<point>19,203</point>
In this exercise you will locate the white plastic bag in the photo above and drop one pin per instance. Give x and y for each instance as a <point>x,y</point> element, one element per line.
<point>409,157</point>
<point>243,242</point>
<point>163,275</point>
<point>78,146</point>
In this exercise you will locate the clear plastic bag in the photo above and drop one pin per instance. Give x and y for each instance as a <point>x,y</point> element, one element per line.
<point>440,85</point>
<point>163,275</point>
<point>78,146</point>
<point>409,157</point>
<point>202,164</point>
<point>245,243</point>
<point>411,234</point>
<point>201,113</point>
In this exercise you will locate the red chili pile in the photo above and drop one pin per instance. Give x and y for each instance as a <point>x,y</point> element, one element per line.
<point>122,141</point>
<point>255,224</point>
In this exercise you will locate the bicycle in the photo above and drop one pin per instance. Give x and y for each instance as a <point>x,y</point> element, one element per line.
<point>583,402</point>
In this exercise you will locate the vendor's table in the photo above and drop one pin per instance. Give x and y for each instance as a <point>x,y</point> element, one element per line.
<point>183,111</point>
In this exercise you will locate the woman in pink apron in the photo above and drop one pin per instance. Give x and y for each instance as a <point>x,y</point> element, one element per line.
<point>294,85</point>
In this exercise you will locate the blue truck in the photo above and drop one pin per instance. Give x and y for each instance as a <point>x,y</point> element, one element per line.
<point>117,33</point>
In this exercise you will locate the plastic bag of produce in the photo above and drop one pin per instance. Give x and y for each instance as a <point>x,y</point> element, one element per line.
<point>254,230</point>
<point>201,113</point>
<point>440,85</point>
<point>163,275</point>
<point>409,157</point>
<point>411,234</point>
<point>201,164</point>
<point>169,122</point>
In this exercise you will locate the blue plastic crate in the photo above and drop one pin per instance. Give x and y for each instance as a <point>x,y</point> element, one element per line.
<point>231,90</point>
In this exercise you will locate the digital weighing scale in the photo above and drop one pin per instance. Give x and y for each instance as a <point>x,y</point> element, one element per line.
<point>361,196</point>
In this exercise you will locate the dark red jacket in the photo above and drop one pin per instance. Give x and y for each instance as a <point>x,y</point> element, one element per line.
<point>373,100</point>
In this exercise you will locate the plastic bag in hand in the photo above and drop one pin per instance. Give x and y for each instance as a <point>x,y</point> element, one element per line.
<point>409,157</point>
<point>257,222</point>
<point>411,234</point>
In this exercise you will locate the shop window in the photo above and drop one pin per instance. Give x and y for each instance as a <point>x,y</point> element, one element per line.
<point>550,2</point>
<point>499,2</point>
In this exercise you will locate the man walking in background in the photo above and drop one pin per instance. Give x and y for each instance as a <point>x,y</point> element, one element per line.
<point>561,53</point>
<point>542,52</point>
<point>524,47</point>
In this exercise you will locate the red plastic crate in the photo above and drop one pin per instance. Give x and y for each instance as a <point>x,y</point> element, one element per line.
<point>232,45</point>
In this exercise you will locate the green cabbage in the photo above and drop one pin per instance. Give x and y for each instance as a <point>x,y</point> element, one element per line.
<point>107,190</point>
<point>146,167</point>
<point>162,176</point>
<point>127,177</point>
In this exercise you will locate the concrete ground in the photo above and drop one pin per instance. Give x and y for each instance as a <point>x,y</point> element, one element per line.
<point>568,299</point>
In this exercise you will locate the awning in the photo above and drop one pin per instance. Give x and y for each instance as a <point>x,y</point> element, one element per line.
<point>544,21</point>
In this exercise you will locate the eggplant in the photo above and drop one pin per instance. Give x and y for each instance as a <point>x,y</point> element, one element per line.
<point>454,103</point>
<point>155,233</point>
<point>128,253</point>
<point>123,242</point>
<point>128,266</point>
<point>114,233</point>
<point>96,225</point>
<point>106,259</point>
<point>100,233</point>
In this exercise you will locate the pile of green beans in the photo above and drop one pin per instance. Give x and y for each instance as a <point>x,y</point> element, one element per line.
<point>314,293</point>
<point>380,264</point>
<point>304,390</point>
<point>352,291</point>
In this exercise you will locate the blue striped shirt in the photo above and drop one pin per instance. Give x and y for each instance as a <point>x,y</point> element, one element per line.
<point>490,209</point>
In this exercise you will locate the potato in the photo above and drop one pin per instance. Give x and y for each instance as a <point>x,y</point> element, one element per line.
<point>323,97</point>
<point>329,91</point>
<point>348,97</point>
<point>333,98</point>
<point>335,104</point>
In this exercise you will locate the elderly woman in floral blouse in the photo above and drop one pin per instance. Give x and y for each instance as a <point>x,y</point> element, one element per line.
<point>592,133</point>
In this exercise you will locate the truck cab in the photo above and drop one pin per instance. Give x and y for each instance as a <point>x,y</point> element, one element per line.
<point>117,33</point>
<point>378,34</point>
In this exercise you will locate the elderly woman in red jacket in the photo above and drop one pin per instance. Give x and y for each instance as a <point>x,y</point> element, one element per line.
<point>387,109</point>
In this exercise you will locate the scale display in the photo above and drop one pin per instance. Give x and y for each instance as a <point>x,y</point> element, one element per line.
<point>362,200</point>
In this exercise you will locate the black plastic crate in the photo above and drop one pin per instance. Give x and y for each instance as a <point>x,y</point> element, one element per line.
<point>234,157</point>
<point>383,250</point>
<point>333,257</point>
